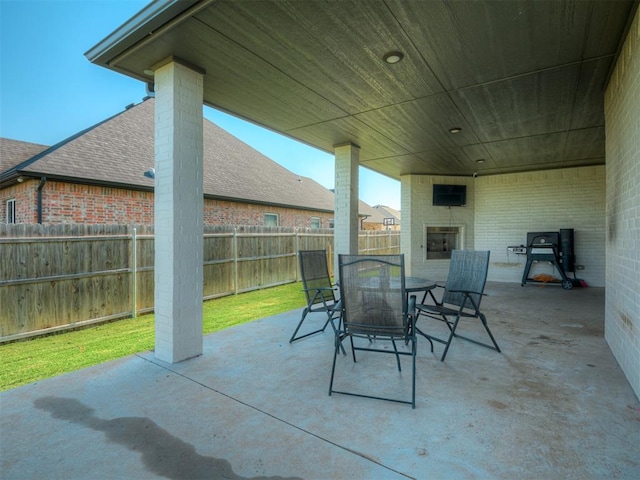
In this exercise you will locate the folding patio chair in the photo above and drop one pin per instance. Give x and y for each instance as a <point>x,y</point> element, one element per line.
<point>375,310</point>
<point>318,289</point>
<point>462,296</point>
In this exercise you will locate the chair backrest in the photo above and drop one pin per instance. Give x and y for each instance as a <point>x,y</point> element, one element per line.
<point>467,271</point>
<point>315,275</point>
<point>372,290</point>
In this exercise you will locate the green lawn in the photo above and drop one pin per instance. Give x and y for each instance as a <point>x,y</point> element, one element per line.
<point>32,360</point>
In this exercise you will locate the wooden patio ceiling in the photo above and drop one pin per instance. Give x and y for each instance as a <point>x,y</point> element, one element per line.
<point>523,80</point>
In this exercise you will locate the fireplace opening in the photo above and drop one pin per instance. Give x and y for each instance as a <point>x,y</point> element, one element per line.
<point>441,240</point>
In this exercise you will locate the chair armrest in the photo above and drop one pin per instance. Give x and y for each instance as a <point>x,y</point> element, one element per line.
<point>319,289</point>
<point>468,292</point>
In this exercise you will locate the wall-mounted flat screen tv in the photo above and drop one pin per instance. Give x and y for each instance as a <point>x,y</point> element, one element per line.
<point>449,195</point>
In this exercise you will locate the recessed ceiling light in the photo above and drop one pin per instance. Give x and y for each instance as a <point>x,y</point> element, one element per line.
<point>455,130</point>
<point>148,72</point>
<point>480,160</point>
<point>393,57</point>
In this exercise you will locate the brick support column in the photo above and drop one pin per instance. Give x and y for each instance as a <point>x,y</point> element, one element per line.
<point>178,212</point>
<point>345,238</point>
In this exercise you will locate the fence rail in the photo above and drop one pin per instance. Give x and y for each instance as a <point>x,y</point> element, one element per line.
<point>64,276</point>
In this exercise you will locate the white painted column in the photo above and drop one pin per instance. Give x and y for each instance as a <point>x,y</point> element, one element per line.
<point>408,230</point>
<point>178,212</point>
<point>345,236</point>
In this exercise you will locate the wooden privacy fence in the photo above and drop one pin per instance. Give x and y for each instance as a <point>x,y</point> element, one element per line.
<point>55,277</point>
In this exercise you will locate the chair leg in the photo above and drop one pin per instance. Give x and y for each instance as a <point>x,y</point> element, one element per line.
<point>451,335</point>
<point>353,350</point>
<point>414,348</point>
<point>486,326</point>
<point>453,327</point>
<point>304,315</point>
<point>420,332</point>
<point>338,343</point>
<point>305,312</point>
<point>335,330</point>
<point>430,342</point>
<point>395,348</point>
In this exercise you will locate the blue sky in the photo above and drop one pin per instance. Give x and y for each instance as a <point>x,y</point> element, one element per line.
<point>50,91</point>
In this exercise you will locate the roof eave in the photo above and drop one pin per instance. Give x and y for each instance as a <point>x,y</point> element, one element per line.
<point>11,178</point>
<point>146,22</point>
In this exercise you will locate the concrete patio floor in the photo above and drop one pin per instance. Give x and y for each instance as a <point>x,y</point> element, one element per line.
<point>554,404</point>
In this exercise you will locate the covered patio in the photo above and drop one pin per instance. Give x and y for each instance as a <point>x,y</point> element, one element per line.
<point>530,106</point>
<point>554,404</point>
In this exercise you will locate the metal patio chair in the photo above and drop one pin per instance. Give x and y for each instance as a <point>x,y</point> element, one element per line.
<point>318,289</point>
<point>375,311</point>
<point>462,297</point>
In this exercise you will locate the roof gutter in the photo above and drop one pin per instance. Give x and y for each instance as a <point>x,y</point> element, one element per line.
<point>136,187</point>
<point>153,20</point>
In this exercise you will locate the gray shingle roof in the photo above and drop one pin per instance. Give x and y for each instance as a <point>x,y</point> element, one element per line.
<point>388,212</point>
<point>14,152</point>
<point>119,150</point>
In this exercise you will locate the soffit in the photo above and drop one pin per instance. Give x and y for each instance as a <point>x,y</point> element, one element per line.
<point>524,80</point>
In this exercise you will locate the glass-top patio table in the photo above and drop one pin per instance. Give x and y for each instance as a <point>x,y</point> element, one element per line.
<point>411,285</point>
<point>415,284</point>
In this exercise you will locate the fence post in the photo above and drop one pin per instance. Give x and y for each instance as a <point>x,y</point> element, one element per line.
<point>134,274</point>
<point>235,260</point>
<point>297,252</point>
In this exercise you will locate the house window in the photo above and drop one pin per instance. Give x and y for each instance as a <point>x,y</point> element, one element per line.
<point>315,222</point>
<point>270,219</point>
<point>11,211</point>
<point>331,223</point>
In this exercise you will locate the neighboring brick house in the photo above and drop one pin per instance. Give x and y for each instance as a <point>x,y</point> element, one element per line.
<point>390,217</point>
<point>97,177</point>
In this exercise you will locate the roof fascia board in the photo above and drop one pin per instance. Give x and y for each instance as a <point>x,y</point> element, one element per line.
<point>143,188</point>
<point>158,15</point>
<point>85,181</point>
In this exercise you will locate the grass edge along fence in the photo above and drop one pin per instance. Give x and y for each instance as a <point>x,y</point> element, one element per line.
<point>47,356</point>
<point>58,277</point>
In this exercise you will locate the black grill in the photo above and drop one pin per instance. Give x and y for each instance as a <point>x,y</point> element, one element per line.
<point>553,247</point>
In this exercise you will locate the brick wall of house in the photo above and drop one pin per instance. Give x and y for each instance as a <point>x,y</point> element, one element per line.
<point>219,212</point>
<point>25,196</point>
<point>76,203</point>
<point>622,299</point>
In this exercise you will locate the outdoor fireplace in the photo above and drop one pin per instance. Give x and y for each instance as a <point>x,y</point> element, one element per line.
<point>441,240</point>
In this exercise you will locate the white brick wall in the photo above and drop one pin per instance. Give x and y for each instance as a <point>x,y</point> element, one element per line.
<point>622,124</point>
<point>178,213</point>
<point>509,206</point>
<point>501,209</point>
<point>417,198</point>
<point>346,201</point>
